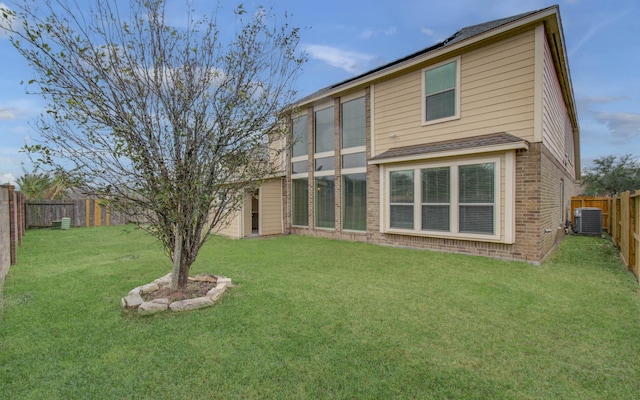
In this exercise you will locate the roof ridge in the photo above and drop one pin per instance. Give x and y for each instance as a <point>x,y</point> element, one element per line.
<point>476,29</point>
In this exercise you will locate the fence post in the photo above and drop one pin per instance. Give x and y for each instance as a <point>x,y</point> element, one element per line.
<point>5,235</point>
<point>634,238</point>
<point>13,223</point>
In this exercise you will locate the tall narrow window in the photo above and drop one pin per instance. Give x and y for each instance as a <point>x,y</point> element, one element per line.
<point>440,91</point>
<point>300,202</point>
<point>436,198</point>
<point>354,202</point>
<point>324,130</point>
<point>300,137</point>
<point>401,200</point>
<point>325,202</point>
<point>477,198</point>
<point>353,123</point>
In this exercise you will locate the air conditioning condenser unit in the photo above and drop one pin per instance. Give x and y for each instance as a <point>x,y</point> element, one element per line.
<point>587,221</point>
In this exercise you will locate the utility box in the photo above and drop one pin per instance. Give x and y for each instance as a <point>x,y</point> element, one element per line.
<point>588,221</point>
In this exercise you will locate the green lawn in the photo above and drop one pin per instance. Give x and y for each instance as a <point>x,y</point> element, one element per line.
<point>318,319</point>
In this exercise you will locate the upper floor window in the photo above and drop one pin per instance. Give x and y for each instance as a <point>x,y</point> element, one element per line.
<point>353,123</point>
<point>441,92</point>
<point>324,130</point>
<point>300,137</point>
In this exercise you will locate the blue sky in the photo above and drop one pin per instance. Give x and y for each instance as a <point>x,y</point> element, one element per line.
<point>346,38</point>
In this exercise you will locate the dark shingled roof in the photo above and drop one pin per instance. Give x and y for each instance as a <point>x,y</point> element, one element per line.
<point>450,145</point>
<point>474,30</point>
<point>462,34</point>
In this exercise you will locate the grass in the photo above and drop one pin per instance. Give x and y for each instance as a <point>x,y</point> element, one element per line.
<point>313,318</point>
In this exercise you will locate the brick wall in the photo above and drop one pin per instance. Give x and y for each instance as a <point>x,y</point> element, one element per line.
<point>543,192</point>
<point>540,210</point>
<point>557,186</point>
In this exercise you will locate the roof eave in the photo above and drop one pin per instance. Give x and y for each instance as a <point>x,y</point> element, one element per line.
<point>520,145</point>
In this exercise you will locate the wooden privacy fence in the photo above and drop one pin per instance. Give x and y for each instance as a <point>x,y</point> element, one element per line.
<point>621,218</point>
<point>625,228</point>
<point>601,202</point>
<point>84,212</point>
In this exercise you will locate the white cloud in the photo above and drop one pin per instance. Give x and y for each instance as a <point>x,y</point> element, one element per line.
<point>350,61</point>
<point>22,108</point>
<point>586,103</point>
<point>7,178</point>
<point>427,31</point>
<point>7,114</point>
<point>606,130</point>
<point>624,127</point>
<point>369,33</point>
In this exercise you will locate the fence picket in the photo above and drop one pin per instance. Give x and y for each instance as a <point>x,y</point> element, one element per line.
<point>84,212</point>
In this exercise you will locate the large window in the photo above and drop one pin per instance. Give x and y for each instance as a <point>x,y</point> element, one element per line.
<point>441,92</point>
<point>325,205</point>
<point>436,198</point>
<point>324,130</point>
<point>354,202</point>
<point>300,137</point>
<point>300,202</point>
<point>401,199</point>
<point>459,199</point>
<point>353,123</point>
<point>477,198</point>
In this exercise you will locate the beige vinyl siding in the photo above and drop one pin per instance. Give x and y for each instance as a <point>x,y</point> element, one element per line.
<point>271,207</point>
<point>246,212</point>
<point>496,95</point>
<point>231,229</point>
<point>557,132</point>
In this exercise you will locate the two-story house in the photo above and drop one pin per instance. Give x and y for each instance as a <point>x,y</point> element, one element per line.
<point>470,146</point>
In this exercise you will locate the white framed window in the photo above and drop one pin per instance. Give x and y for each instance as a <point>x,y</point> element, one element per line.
<point>353,123</point>
<point>354,202</point>
<point>325,205</point>
<point>324,131</point>
<point>300,137</point>
<point>300,202</point>
<point>459,199</point>
<point>441,92</point>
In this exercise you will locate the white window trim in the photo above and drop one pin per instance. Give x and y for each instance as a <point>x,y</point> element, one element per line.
<point>385,226</point>
<point>300,176</point>
<point>359,170</point>
<point>353,150</point>
<point>300,158</point>
<point>456,115</point>
<point>324,154</point>
<point>330,172</point>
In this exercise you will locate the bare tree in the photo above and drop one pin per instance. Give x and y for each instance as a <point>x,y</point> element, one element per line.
<point>171,121</point>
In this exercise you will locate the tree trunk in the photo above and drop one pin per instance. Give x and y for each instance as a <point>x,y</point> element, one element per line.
<point>177,281</point>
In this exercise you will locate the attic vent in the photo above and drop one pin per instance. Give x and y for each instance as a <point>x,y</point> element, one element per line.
<point>588,221</point>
